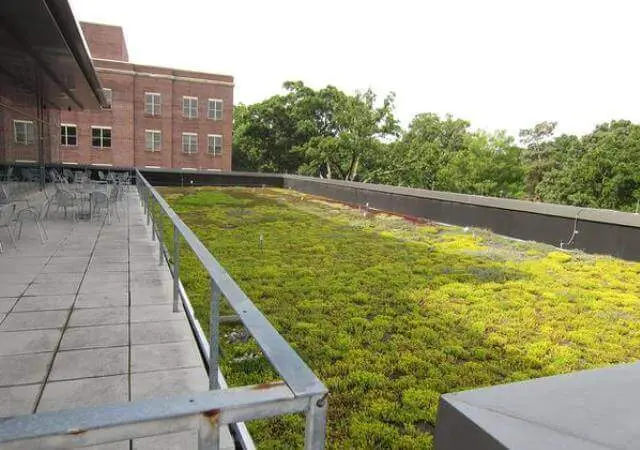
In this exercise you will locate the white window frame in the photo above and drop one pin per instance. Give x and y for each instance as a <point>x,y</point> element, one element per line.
<point>188,109</point>
<point>155,147</point>
<point>210,138</point>
<point>66,135</point>
<point>155,107</point>
<point>29,132</point>
<point>102,138</point>
<point>190,143</point>
<point>215,113</point>
<point>108,94</point>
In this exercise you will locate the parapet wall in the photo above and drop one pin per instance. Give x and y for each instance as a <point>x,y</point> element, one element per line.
<point>596,231</point>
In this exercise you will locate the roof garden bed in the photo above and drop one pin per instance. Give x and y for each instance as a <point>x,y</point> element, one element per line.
<point>391,313</point>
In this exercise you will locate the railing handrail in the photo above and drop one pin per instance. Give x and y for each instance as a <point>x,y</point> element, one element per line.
<point>293,370</point>
<point>228,405</point>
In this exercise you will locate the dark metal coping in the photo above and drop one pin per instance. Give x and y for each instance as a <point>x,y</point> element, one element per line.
<point>549,209</point>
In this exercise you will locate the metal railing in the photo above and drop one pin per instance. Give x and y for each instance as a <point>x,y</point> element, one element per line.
<point>299,391</point>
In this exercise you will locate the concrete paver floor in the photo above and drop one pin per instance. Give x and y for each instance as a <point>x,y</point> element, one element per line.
<point>86,319</point>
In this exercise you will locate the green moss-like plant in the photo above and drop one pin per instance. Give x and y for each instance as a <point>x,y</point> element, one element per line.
<point>390,314</point>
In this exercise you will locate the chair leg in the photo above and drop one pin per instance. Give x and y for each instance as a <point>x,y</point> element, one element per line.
<point>20,230</point>
<point>40,230</point>
<point>13,239</point>
<point>44,231</point>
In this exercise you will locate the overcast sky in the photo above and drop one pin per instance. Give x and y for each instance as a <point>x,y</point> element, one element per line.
<point>500,64</point>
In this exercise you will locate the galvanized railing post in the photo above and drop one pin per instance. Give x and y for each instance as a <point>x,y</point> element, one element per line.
<point>208,432</point>
<point>316,423</point>
<point>145,196</point>
<point>214,331</point>
<point>153,222</point>
<point>148,206</point>
<point>176,268</point>
<point>159,225</point>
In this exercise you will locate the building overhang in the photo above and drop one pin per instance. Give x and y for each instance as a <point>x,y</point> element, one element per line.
<point>43,51</point>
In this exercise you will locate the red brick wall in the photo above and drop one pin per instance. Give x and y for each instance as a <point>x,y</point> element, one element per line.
<point>142,156</point>
<point>202,125</point>
<point>119,118</point>
<point>128,119</point>
<point>105,41</point>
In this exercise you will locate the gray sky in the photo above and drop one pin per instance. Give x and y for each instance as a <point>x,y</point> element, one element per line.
<point>500,64</point>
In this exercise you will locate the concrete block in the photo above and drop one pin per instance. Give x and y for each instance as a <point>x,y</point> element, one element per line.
<point>66,264</point>
<point>164,356</point>
<point>89,363</point>
<point>8,289</point>
<point>35,320</point>
<point>102,300</point>
<point>160,332</point>
<point>60,287</point>
<point>98,316</point>
<point>31,341</point>
<point>55,278</point>
<point>168,382</point>
<point>95,336</point>
<point>59,395</point>
<point>18,400</point>
<point>6,304</point>
<point>155,313</point>
<point>44,303</point>
<point>24,369</point>
<point>102,267</point>
<point>186,440</point>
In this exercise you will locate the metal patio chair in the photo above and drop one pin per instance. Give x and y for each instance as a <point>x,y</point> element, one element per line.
<point>39,215</point>
<point>7,221</point>
<point>64,199</point>
<point>115,195</point>
<point>100,201</point>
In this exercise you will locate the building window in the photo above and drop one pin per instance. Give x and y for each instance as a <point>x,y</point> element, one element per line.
<point>190,107</point>
<point>68,134</point>
<point>152,103</point>
<point>189,143</point>
<point>215,109</point>
<point>214,144</point>
<point>101,137</point>
<point>23,132</point>
<point>108,94</point>
<point>152,139</point>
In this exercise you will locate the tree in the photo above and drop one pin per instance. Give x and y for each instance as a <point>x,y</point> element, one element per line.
<point>315,132</point>
<point>424,149</point>
<point>602,169</point>
<point>357,130</point>
<point>489,164</point>
<point>537,154</point>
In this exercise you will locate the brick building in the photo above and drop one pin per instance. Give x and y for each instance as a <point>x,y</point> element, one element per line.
<point>159,117</point>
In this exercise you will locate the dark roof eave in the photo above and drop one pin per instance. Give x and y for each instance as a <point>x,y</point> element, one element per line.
<point>63,16</point>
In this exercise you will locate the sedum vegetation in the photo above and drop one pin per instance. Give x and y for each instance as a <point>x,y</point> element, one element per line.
<point>391,313</point>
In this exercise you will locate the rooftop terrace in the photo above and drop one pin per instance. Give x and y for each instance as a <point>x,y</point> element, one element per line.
<point>86,319</point>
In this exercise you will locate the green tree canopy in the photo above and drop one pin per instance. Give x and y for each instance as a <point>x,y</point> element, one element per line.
<point>329,133</point>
